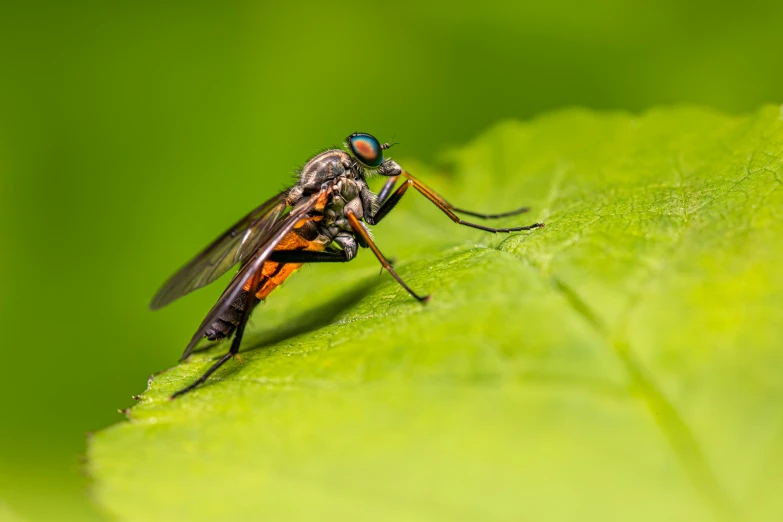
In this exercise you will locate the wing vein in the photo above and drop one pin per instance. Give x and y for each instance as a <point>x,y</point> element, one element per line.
<point>280,230</point>
<point>230,248</point>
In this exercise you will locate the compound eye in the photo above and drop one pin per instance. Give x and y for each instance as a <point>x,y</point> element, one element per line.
<point>366,148</point>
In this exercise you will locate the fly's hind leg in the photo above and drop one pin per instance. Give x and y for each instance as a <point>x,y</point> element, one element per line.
<point>280,256</point>
<point>346,241</point>
<point>252,301</point>
<point>309,256</point>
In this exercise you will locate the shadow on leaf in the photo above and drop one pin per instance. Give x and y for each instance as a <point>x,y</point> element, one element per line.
<point>315,318</point>
<point>306,322</point>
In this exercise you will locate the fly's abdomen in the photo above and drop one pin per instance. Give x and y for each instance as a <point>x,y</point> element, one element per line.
<point>224,325</point>
<point>271,276</point>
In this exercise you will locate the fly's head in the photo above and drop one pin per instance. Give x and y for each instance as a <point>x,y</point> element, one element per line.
<point>368,152</point>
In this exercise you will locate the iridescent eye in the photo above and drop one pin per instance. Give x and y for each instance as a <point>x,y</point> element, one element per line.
<point>366,148</point>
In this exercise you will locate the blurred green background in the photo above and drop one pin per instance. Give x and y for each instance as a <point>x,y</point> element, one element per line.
<point>132,133</point>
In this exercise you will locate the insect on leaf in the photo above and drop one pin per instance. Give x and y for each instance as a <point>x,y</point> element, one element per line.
<point>623,363</point>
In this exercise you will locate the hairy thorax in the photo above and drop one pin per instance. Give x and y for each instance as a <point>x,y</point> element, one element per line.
<point>326,166</point>
<point>344,197</point>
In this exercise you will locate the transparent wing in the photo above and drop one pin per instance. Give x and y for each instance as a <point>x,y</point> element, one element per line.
<point>279,231</point>
<point>232,247</point>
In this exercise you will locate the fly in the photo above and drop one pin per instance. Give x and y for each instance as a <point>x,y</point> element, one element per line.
<point>321,219</point>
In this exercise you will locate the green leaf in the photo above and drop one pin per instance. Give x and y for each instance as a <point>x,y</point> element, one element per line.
<point>623,363</point>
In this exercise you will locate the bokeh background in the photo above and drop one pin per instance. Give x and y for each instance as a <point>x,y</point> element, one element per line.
<point>131,133</point>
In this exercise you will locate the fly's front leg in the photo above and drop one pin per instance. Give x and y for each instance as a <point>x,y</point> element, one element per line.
<point>388,204</point>
<point>390,168</point>
<point>387,189</point>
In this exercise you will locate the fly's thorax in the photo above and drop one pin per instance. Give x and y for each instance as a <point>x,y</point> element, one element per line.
<point>345,190</point>
<point>348,188</point>
<point>324,167</point>
<point>345,196</point>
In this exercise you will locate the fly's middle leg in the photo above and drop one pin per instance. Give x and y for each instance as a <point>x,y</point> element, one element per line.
<point>361,232</point>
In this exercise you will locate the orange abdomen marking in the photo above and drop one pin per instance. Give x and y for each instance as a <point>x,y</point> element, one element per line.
<point>273,274</point>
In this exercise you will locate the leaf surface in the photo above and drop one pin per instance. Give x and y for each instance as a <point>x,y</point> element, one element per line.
<point>623,363</point>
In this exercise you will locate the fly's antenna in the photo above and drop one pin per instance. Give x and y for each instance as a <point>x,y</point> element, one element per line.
<point>386,146</point>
